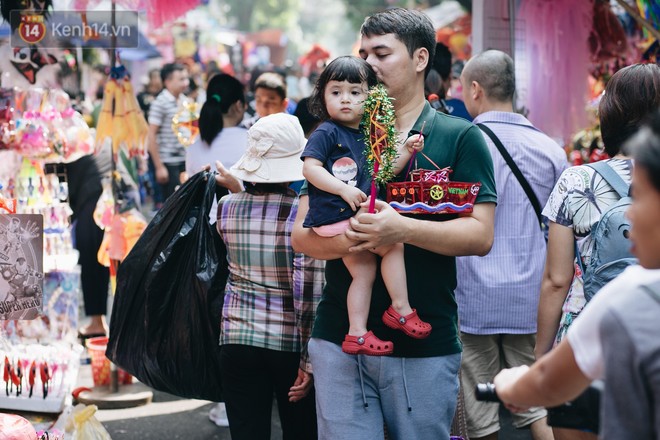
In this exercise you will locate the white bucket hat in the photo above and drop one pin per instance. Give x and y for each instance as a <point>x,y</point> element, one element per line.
<point>275,143</point>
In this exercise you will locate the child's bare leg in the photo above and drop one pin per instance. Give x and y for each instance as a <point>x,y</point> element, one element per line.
<point>362,267</point>
<point>393,269</point>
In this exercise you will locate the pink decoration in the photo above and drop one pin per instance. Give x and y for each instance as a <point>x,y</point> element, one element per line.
<point>556,38</point>
<point>159,12</point>
<point>162,11</point>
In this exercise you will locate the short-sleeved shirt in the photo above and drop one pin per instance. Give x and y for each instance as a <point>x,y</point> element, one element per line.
<point>632,367</point>
<point>161,112</point>
<point>448,142</point>
<point>227,147</point>
<point>341,150</point>
<point>499,293</point>
<point>615,339</point>
<point>271,292</point>
<point>577,201</point>
<point>584,335</point>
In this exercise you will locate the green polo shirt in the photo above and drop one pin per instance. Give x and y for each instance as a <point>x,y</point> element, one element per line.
<point>448,142</point>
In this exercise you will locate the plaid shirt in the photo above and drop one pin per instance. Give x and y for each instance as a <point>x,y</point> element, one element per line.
<point>272,292</point>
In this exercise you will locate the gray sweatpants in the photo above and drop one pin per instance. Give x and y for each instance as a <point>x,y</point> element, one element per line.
<point>414,397</point>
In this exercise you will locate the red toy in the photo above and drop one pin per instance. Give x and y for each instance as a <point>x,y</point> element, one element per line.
<point>31,375</point>
<point>6,376</point>
<point>431,192</point>
<point>44,373</point>
<point>17,378</point>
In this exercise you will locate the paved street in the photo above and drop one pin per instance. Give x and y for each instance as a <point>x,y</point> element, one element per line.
<point>169,417</point>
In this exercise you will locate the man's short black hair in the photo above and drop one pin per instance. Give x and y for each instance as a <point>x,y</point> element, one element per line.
<point>413,28</point>
<point>168,69</point>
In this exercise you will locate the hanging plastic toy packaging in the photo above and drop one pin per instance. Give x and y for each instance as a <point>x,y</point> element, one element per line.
<point>21,266</point>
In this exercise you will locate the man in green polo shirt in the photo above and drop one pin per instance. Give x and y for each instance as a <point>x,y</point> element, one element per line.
<point>413,391</point>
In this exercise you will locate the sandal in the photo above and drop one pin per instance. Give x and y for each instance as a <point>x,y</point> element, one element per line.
<point>368,343</point>
<point>409,324</point>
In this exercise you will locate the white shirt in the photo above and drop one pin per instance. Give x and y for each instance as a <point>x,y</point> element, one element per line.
<point>227,147</point>
<point>584,334</point>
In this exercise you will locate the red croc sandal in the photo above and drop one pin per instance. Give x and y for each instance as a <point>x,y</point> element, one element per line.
<point>409,324</point>
<point>368,343</point>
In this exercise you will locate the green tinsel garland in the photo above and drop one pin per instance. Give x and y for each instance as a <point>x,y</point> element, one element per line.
<point>378,119</point>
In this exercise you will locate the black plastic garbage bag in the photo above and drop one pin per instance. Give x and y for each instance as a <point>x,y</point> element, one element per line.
<point>164,328</point>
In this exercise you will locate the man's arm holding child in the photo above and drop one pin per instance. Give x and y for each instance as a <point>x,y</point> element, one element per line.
<point>305,240</point>
<point>469,234</point>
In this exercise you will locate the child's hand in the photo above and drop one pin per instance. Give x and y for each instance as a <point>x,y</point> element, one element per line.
<point>353,196</point>
<point>414,143</point>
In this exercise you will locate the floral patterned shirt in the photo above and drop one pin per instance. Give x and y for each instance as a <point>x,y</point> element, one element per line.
<point>578,200</point>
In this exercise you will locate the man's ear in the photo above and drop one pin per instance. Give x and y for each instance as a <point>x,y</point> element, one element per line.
<point>476,90</point>
<point>421,59</point>
<point>236,108</point>
<point>285,104</point>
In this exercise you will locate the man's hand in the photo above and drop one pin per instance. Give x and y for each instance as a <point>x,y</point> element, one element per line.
<point>384,227</point>
<point>301,386</point>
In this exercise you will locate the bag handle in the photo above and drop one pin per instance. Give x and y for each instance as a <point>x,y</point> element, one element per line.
<point>213,190</point>
<point>611,177</point>
<point>516,172</point>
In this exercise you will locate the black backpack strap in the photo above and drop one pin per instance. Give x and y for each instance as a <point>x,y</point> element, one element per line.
<point>516,172</point>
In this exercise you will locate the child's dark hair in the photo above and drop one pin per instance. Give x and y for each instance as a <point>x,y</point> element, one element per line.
<point>347,68</point>
<point>222,92</point>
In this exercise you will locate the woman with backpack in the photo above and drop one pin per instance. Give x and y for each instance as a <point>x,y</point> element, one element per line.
<point>579,200</point>
<point>615,339</point>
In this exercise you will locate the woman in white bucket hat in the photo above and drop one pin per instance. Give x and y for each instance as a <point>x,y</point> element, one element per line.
<point>275,143</point>
<point>265,321</point>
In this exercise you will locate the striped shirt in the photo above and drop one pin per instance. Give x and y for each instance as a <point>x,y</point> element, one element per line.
<point>499,293</point>
<point>161,112</point>
<point>272,292</point>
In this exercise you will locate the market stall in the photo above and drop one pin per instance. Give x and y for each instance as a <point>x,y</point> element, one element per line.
<point>39,286</point>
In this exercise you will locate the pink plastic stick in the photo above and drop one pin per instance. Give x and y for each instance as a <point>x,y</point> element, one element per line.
<point>372,200</point>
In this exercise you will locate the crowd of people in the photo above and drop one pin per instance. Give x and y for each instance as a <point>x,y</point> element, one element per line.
<point>351,318</point>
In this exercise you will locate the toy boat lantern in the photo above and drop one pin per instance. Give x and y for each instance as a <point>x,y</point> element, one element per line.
<point>431,192</point>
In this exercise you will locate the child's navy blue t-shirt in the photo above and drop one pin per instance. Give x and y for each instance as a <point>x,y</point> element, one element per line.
<point>341,149</point>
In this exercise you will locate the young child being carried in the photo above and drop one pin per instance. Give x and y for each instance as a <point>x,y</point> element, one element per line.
<point>336,169</point>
